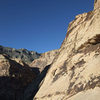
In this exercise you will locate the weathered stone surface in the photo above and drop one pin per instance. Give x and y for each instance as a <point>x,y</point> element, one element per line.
<point>44,60</point>
<point>76,70</point>
<point>92,94</point>
<point>22,81</point>
<point>96,4</point>
<point>72,72</point>
<point>14,78</point>
<point>21,54</point>
<point>43,63</point>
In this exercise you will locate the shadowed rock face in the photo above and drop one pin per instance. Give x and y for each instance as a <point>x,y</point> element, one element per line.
<point>14,78</point>
<point>18,81</point>
<point>75,72</point>
<point>22,54</point>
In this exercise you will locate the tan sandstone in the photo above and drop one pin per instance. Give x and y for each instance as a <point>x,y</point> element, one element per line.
<point>75,72</point>
<point>44,60</point>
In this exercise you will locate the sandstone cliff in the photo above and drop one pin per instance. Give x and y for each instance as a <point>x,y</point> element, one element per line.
<point>75,72</point>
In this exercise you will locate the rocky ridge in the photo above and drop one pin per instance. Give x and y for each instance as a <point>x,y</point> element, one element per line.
<point>75,72</point>
<point>20,80</point>
<point>21,54</point>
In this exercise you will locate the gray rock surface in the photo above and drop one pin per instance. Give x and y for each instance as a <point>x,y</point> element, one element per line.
<point>21,54</point>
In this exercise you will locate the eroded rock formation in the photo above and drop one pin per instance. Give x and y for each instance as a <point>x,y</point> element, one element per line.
<point>19,81</point>
<point>70,73</point>
<point>75,73</point>
<point>20,54</point>
<point>44,60</point>
<point>14,78</point>
<point>96,4</point>
<point>43,64</point>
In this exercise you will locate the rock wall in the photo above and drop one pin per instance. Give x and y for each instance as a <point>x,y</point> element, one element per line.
<point>75,72</point>
<point>96,4</point>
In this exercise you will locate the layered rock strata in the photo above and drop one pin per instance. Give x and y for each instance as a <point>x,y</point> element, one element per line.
<point>75,73</point>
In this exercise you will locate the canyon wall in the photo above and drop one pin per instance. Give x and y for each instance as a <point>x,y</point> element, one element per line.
<point>75,72</point>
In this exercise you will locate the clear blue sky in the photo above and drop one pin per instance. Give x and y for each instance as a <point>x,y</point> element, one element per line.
<point>38,25</point>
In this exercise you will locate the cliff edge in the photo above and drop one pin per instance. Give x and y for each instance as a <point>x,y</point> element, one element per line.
<point>75,72</point>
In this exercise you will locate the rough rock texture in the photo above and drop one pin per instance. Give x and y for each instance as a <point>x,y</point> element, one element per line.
<point>43,63</point>
<point>75,72</point>
<point>91,94</point>
<point>14,78</point>
<point>18,81</point>
<point>21,54</point>
<point>44,60</point>
<point>96,4</point>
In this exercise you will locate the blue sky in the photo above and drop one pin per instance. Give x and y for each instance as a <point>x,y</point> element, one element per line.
<point>38,25</point>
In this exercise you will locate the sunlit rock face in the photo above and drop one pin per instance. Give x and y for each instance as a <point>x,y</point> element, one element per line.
<point>44,60</point>
<point>75,72</point>
<point>96,4</point>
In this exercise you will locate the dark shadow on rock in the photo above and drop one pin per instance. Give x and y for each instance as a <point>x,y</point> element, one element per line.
<point>9,89</point>
<point>13,85</point>
<point>33,88</point>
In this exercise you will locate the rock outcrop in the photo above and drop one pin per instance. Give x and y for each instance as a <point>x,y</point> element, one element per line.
<point>43,64</point>
<point>19,81</point>
<point>21,54</point>
<point>75,72</point>
<point>96,4</point>
<point>44,60</point>
<point>14,78</point>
